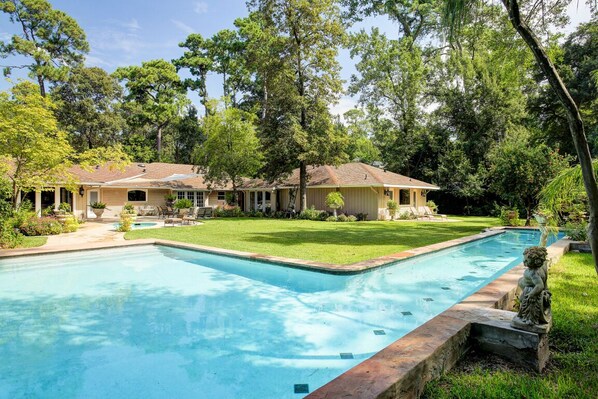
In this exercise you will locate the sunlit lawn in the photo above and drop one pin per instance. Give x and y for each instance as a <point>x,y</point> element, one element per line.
<point>573,370</point>
<point>31,242</point>
<point>330,242</point>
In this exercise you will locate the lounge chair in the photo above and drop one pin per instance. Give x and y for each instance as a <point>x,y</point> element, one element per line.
<point>208,213</point>
<point>418,214</point>
<point>191,217</point>
<point>201,213</point>
<point>431,214</point>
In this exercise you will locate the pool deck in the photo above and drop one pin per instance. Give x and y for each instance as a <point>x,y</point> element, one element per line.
<point>397,371</point>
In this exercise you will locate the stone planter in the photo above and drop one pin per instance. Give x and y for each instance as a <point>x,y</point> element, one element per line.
<point>98,212</point>
<point>583,247</point>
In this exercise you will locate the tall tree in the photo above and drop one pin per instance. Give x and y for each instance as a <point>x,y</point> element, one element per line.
<point>359,130</point>
<point>52,39</point>
<point>519,170</point>
<point>231,150</point>
<point>156,87</point>
<point>34,147</point>
<point>199,62</point>
<point>297,129</point>
<point>390,83</point>
<point>227,53</point>
<point>88,107</point>
<point>458,10</point>
<point>187,134</point>
<point>416,18</point>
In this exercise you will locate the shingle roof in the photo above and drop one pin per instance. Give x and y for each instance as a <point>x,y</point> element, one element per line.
<point>151,175</point>
<point>354,174</point>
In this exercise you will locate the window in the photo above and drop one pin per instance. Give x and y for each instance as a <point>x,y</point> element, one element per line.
<point>137,195</point>
<point>196,197</point>
<point>403,197</point>
<point>221,196</point>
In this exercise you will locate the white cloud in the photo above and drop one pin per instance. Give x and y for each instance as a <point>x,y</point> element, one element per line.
<point>5,36</point>
<point>182,26</point>
<point>92,61</point>
<point>131,25</point>
<point>200,7</point>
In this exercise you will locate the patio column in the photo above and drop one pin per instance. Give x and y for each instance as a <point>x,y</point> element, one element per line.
<point>56,198</point>
<point>38,202</point>
<point>264,201</point>
<point>273,200</point>
<point>255,200</point>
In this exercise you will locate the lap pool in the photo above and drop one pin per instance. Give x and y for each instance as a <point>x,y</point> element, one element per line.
<point>161,322</point>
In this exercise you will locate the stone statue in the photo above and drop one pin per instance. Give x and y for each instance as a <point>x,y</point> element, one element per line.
<point>534,302</point>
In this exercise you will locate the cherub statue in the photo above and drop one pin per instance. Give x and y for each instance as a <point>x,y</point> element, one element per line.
<point>534,302</point>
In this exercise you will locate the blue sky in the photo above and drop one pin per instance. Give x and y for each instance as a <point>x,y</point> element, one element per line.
<point>127,32</point>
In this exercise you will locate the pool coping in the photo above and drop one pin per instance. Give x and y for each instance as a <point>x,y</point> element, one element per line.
<point>323,267</point>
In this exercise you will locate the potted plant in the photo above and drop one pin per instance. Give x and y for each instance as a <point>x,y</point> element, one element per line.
<point>170,198</point>
<point>130,210</point>
<point>335,201</point>
<point>98,208</point>
<point>392,208</point>
<point>183,205</point>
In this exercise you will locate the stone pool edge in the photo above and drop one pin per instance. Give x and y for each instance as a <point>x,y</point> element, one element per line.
<point>402,369</point>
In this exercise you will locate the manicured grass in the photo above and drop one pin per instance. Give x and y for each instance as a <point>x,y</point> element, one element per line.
<point>339,243</point>
<point>573,369</point>
<point>31,242</point>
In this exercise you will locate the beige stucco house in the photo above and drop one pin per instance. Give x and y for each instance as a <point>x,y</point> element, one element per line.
<point>142,185</point>
<point>366,189</point>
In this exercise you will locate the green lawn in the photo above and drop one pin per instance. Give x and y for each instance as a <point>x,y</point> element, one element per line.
<point>573,370</point>
<point>339,243</point>
<point>31,242</point>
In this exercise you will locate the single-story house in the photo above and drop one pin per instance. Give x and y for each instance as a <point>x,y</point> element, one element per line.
<point>142,185</point>
<point>366,189</point>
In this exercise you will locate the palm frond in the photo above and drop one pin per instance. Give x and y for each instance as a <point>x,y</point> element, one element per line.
<point>564,188</point>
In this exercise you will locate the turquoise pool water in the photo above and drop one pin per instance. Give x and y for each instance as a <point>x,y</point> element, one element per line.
<point>138,225</point>
<point>160,322</point>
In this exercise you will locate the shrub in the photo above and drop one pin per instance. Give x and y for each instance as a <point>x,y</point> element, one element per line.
<point>362,217</point>
<point>70,224</point>
<point>9,236</point>
<point>509,217</point>
<point>233,212</point>
<point>331,219</point>
<point>43,226</point>
<point>129,208</point>
<point>183,203</point>
<point>98,205</point>
<point>432,205</point>
<point>310,214</point>
<point>170,198</point>
<point>126,221</point>
<point>278,215</point>
<point>342,218</point>
<point>258,214</point>
<point>351,218</point>
<point>65,207</point>
<point>577,231</point>
<point>406,215</point>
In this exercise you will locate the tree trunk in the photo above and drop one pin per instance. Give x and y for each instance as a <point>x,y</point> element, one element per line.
<point>160,143</point>
<point>42,85</point>
<point>302,186</point>
<point>573,117</point>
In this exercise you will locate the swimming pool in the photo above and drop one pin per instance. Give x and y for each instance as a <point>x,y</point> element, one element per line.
<point>157,322</point>
<point>137,225</point>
